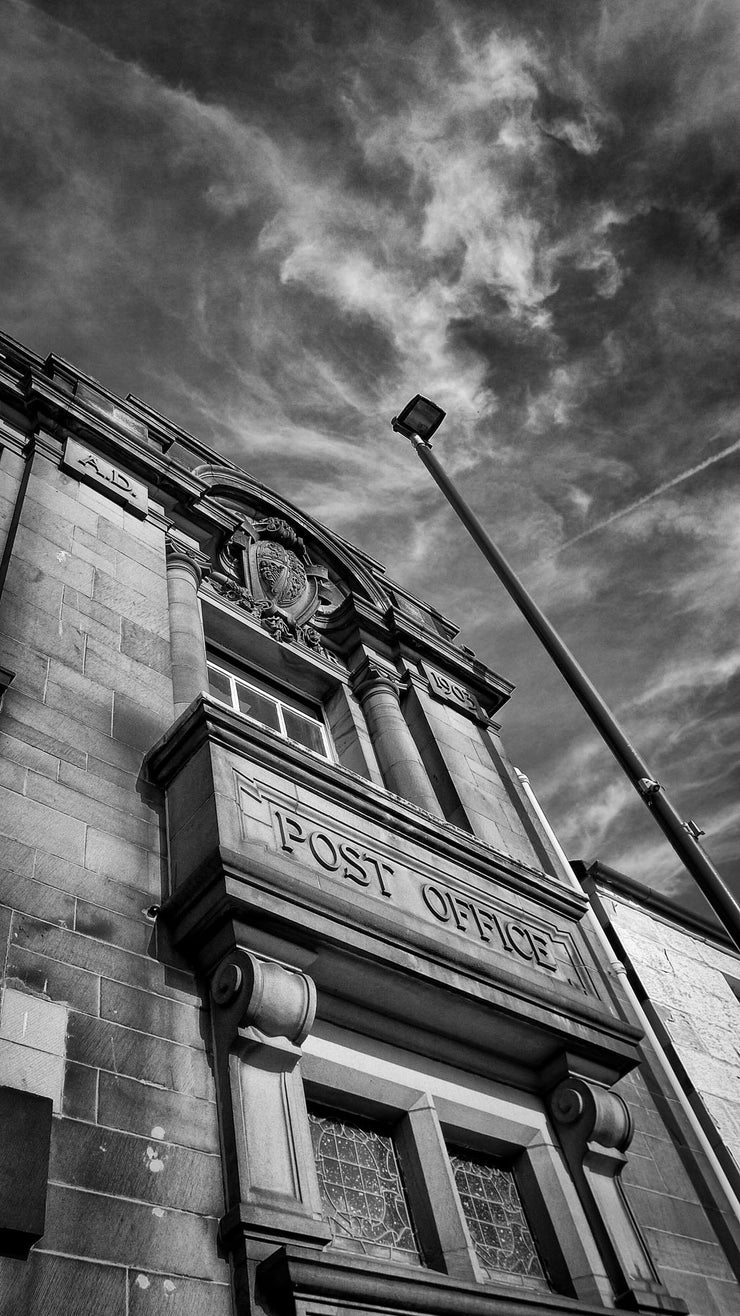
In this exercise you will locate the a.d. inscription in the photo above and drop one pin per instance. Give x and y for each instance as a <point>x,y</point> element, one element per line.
<point>104,476</point>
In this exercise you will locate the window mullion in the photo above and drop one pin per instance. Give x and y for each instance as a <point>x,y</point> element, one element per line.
<point>441,1225</point>
<point>281,720</point>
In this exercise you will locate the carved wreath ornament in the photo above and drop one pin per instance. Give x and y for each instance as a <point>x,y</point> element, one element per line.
<point>267,571</point>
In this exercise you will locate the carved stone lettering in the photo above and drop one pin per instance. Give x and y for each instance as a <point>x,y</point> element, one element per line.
<point>451,692</point>
<point>477,920</point>
<point>334,855</point>
<point>352,863</point>
<point>104,476</point>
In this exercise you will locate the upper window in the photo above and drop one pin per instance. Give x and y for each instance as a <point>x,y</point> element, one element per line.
<point>279,713</point>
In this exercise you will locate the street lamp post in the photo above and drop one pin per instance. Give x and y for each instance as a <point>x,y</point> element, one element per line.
<point>417,422</point>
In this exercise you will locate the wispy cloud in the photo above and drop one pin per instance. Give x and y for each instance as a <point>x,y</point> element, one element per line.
<point>277,222</point>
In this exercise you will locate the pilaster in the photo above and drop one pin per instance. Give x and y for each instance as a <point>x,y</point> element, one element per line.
<point>596,1129</point>
<point>185,568</point>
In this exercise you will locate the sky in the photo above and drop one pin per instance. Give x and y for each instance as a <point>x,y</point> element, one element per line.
<point>277,221</point>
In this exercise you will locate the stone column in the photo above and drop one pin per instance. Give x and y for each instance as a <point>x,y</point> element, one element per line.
<point>395,748</point>
<point>187,644</point>
<point>595,1132</point>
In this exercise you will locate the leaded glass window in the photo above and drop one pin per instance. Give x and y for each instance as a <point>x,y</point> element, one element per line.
<point>495,1217</point>
<point>361,1188</point>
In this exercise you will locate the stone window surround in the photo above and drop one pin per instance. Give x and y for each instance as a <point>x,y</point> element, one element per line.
<point>424,1125</point>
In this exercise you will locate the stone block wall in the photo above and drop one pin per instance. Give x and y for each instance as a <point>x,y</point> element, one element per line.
<point>90,1017</point>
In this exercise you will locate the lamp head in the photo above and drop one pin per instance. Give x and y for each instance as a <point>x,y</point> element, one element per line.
<point>419,417</point>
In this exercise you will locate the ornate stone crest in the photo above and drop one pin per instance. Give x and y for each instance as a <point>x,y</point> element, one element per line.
<point>267,570</point>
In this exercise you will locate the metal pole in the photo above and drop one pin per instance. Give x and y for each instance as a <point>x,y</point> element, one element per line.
<point>650,791</point>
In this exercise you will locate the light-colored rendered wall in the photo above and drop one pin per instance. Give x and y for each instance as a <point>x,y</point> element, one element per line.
<point>686,980</point>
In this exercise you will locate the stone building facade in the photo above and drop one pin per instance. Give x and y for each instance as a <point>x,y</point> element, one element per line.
<point>301,1010</point>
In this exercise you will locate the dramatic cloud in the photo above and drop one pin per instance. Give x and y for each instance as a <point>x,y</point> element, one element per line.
<point>276,222</point>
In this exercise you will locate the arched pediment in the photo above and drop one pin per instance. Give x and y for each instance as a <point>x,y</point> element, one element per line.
<point>302,546</point>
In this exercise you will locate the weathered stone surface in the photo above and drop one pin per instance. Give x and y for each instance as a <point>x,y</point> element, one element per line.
<point>57,563</point>
<point>72,948</point>
<point>76,804</point>
<point>138,1055</point>
<point>113,928</point>
<point>116,857</point>
<point>87,884</point>
<point>35,725</point>
<point>131,603</point>
<point>15,750</point>
<point>24,622</point>
<point>33,1021</point>
<point>129,676</point>
<point>158,1015</point>
<point>126,1103</point>
<point>145,646</point>
<point>110,786</point>
<point>31,897</point>
<point>59,494</point>
<point>5,919</point>
<point>688,1254</point>
<point>48,1285</point>
<point>145,1169</point>
<point>80,1095</point>
<point>137,725</point>
<point>153,1294</point>
<point>16,857</point>
<point>31,668</point>
<point>111,1229</point>
<point>76,696</point>
<point>52,978</point>
<point>33,823</point>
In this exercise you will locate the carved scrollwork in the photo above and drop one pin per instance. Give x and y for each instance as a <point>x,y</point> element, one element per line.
<point>603,1115</point>
<point>273,527</point>
<point>370,676</point>
<point>273,999</point>
<point>275,620</point>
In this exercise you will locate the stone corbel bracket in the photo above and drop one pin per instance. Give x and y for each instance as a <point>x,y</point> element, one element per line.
<point>596,1129</point>
<point>261,1012</point>
<point>275,1000</point>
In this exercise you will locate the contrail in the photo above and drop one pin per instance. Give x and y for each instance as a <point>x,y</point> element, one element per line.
<point>669,484</point>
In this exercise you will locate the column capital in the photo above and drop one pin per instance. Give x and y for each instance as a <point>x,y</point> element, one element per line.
<point>371,675</point>
<point>179,553</point>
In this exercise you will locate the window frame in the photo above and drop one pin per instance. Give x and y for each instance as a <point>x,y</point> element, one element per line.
<point>217,664</point>
<point>344,1244</point>
<point>425,1122</point>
